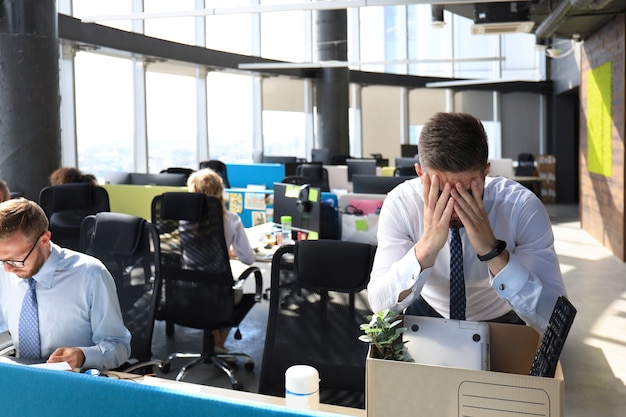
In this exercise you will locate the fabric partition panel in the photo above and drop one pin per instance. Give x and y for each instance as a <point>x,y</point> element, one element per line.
<point>30,391</point>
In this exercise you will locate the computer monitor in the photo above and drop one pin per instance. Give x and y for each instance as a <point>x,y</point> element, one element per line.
<point>375,184</point>
<point>408,151</point>
<point>361,167</point>
<point>321,155</point>
<point>405,162</point>
<point>176,180</point>
<point>268,159</point>
<point>502,167</point>
<point>302,203</point>
<point>116,177</point>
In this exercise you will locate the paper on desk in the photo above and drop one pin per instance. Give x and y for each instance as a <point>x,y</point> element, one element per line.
<point>57,366</point>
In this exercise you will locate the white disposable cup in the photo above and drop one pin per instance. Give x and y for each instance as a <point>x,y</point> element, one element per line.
<point>302,387</point>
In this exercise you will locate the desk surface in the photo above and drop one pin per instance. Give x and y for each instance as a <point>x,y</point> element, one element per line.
<point>228,393</point>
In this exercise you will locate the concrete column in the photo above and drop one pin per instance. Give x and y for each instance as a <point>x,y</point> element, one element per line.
<point>30,134</point>
<point>331,89</point>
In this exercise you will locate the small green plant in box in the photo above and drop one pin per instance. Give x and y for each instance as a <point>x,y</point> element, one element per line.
<point>384,334</point>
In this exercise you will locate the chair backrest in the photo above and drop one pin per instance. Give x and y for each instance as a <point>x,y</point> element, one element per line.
<point>318,325</point>
<point>178,170</point>
<point>405,171</point>
<point>129,248</point>
<point>317,174</point>
<point>296,179</point>
<point>219,167</point>
<point>194,260</point>
<point>525,165</point>
<point>66,205</point>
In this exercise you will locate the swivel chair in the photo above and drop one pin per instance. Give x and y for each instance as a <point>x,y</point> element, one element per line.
<point>319,326</point>
<point>201,298</point>
<point>129,248</point>
<point>66,205</point>
<point>317,174</point>
<point>219,167</point>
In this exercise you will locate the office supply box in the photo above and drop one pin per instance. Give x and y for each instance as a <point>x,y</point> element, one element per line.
<point>407,389</point>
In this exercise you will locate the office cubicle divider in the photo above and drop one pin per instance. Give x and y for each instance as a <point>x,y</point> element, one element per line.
<point>30,391</point>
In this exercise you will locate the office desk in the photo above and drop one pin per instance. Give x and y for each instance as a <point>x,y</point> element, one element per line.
<point>230,394</point>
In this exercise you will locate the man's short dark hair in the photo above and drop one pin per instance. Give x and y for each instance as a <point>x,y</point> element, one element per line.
<point>453,142</point>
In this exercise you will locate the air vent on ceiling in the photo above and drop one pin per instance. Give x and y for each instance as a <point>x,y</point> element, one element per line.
<point>501,18</point>
<point>502,28</point>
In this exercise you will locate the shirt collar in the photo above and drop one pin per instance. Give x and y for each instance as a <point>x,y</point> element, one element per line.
<point>45,276</point>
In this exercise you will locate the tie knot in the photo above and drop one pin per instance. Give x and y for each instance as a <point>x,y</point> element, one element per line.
<point>31,283</point>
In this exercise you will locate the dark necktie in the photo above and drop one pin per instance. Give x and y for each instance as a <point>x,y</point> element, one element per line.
<point>30,347</point>
<point>457,280</point>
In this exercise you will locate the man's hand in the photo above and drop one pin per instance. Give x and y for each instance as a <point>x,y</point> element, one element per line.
<point>438,208</point>
<point>74,356</point>
<point>469,207</point>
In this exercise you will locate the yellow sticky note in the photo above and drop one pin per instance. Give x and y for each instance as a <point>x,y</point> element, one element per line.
<point>292,191</point>
<point>313,195</point>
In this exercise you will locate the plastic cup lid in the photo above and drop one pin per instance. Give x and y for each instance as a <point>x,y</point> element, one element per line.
<point>302,379</point>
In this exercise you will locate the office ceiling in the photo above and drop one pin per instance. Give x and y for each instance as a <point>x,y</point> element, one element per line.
<point>564,19</point>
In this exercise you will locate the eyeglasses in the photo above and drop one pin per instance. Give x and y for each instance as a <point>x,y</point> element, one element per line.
<point>20,264</point>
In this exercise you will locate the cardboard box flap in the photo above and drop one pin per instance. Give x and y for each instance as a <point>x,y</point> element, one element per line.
<point>512,348</point>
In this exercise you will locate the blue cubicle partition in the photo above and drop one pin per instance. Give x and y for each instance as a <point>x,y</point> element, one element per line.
<point>242,175</point>
<point>27,391</point>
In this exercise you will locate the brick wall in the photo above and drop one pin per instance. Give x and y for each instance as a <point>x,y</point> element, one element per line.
<point>602,198</point>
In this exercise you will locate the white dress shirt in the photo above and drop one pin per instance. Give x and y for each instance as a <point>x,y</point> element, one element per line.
<point>529,284</point>
<point>78,307</point>
<point>237,238</point>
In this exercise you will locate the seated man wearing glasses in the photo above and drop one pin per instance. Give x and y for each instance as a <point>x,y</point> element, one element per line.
<point>59,305</point>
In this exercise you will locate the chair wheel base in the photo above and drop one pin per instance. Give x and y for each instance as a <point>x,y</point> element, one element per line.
<point>249,366</point>
<point>165,368</point>
<point>238,386</point>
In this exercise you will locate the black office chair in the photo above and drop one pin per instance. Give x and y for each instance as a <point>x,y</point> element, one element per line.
<point>178,170</point>
<point>193,226</point>
<point>405,171</point>
<point>296,180</point>
<point>317,175</point>
<point>525,165</point>
<point>129,247</point>
<point>320,326</point>
<point>219,167</point>
<point>66,206</point>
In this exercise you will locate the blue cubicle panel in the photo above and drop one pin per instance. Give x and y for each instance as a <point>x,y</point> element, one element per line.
<point>254,207</point>
<point>242,175</point>
<point>29,391</point>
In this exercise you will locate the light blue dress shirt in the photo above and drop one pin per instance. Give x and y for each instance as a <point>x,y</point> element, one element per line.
<point>529,284</point>
<point>78,307</point>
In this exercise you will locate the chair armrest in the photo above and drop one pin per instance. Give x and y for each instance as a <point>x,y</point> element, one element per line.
<point>6,344</point>
<point>258,278</point>
<point>155,362</point>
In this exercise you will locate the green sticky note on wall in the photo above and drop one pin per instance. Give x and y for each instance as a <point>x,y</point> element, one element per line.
<point>361,224</point>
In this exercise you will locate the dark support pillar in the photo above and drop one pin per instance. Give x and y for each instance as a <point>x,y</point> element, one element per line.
<point>332,84</point>
<point>30,134</point>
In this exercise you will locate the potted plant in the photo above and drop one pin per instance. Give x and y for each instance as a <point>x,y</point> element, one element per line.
<point>384,334</point>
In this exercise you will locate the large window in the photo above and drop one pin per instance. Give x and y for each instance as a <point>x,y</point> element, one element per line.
<point>171,116</point>
<point>104,113</point>
<point>229,104</point>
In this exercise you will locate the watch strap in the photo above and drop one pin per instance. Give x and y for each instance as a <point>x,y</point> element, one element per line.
<point>500,247</point>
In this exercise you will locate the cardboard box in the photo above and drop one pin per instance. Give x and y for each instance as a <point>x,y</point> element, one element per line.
<point>403,389</point>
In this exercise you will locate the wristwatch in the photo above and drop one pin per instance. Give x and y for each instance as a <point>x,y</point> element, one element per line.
<point>500,247</point>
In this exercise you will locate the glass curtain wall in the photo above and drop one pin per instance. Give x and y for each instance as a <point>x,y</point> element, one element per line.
<point>397,39</point>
